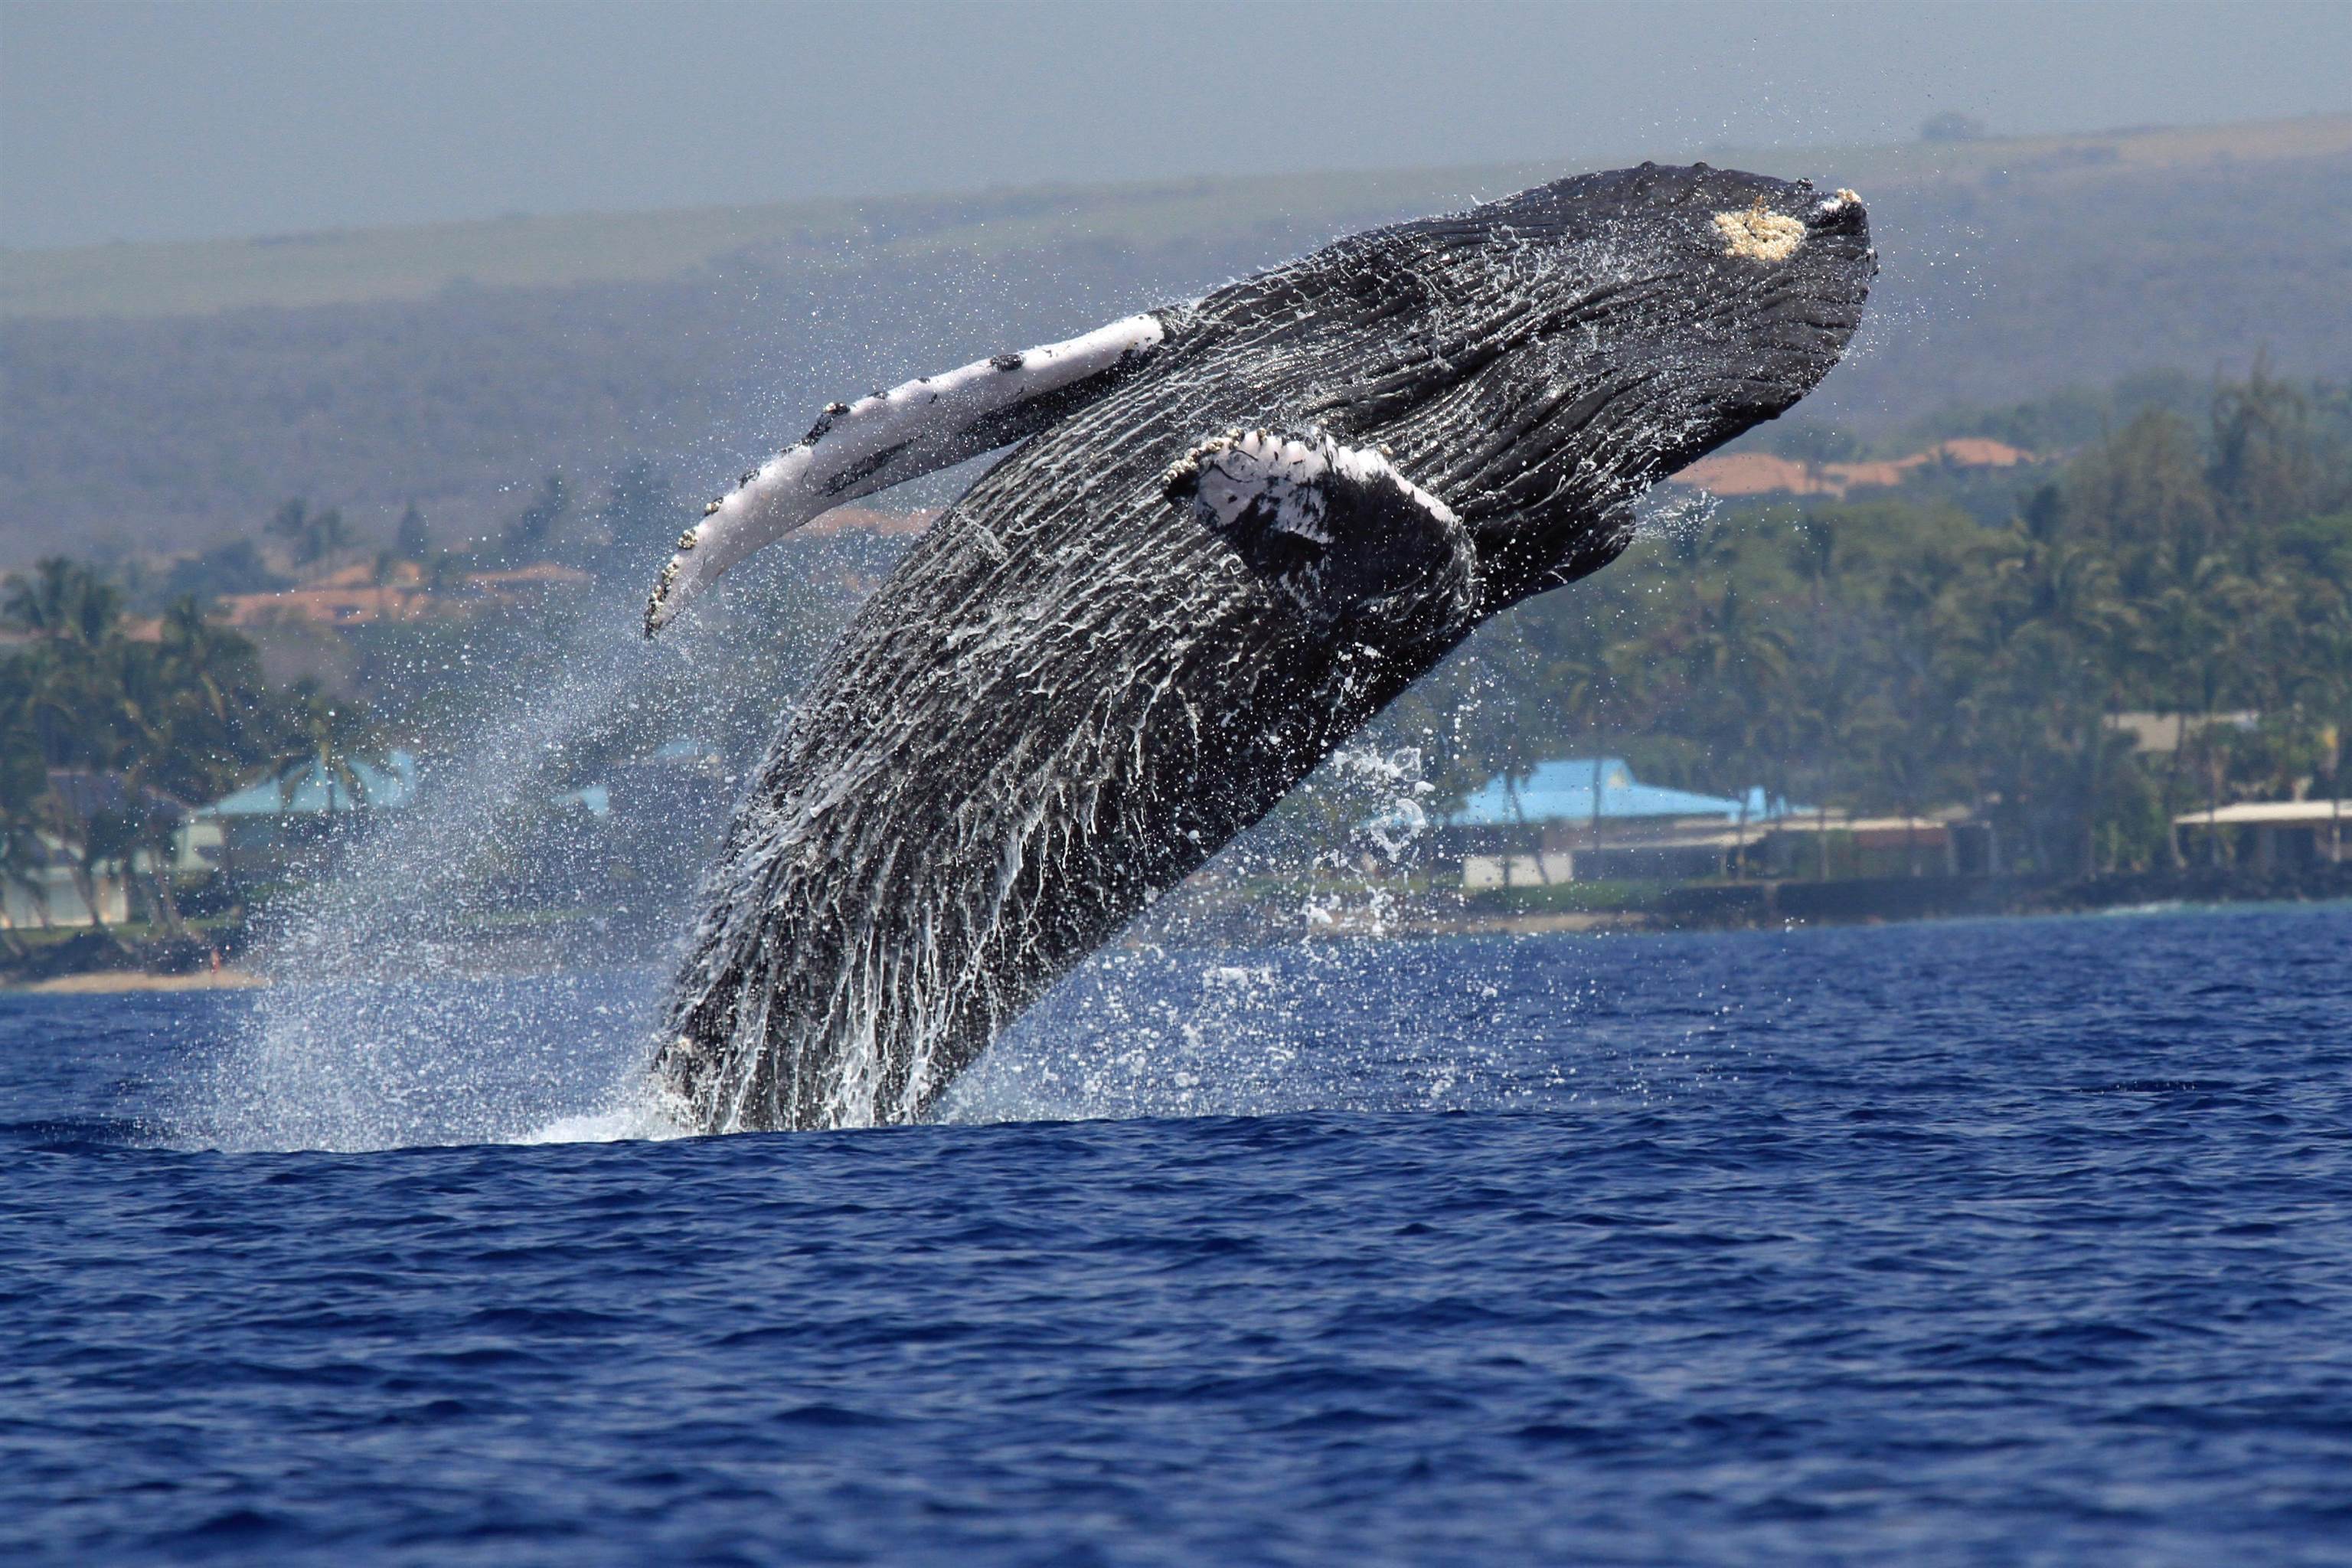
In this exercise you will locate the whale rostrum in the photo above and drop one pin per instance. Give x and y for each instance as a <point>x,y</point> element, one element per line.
<point>1228,533</point>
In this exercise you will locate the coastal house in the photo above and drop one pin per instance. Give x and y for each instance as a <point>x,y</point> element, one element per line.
<point>308,805</point>
<point>2161,734</point>
<point>1582,818</point>
<point>43,888</point>
<point>1836,845</point>
<point>2270,835</point>
<point>401,591</point>
<point>87,850</point>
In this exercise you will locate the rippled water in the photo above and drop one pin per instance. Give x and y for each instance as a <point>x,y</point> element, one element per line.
<point>1959,1243</point>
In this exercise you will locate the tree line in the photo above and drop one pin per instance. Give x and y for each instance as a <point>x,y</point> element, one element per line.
<point>106,738</point>
<point>1901,654</point>
<point>1969,641</point>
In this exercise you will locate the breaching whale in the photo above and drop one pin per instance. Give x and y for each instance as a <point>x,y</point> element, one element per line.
<point>1230,533</point>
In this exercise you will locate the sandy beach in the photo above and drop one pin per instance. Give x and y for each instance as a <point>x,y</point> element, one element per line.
<point>111,982</point>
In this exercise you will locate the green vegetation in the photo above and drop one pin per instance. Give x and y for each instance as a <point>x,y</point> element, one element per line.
<point>1972,638</point>
<point>312,535</point>
<point>104,738</point>
<point>445,401</point>
<point>1897,655</point>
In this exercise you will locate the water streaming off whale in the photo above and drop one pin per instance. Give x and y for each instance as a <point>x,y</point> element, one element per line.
<point>1213,560</point>
<point>404,1017</point>
<point>1098,669</point>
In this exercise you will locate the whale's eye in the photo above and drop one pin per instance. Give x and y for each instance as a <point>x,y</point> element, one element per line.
<point>1760,234</point>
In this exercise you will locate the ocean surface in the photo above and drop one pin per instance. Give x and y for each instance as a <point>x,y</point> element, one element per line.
<point>1960,1242</point>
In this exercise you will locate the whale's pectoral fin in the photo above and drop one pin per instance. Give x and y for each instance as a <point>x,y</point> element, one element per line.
<point>1336,531</point>
<point>888,437</point>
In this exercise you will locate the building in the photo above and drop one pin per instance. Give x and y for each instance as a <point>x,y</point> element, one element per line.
<point>1582,819</point>
<point>1827,845</point>
<point>42,889</point>
<point>2161,734</point>
<point>2268,834</point>
<point>305,806</point>
<point>400,591</point>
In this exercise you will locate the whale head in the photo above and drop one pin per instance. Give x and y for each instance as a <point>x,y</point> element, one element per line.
<point>1542,361</point>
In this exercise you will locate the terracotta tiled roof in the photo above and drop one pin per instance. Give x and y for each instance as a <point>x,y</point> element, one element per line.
<point>1761,473</point>
<point>333,607</point>
<point>353,595</point>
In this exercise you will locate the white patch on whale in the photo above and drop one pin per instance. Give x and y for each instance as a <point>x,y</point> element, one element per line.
<point>1287,500</point>
<point>883,439</point>
<point>1760,234</point>
<point>1286,481</point>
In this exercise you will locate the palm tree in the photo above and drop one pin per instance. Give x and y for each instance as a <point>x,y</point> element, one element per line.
<point>22,780</point>
<point>2265,466</point>
<point>412,540</point>
<point>1817,556</point>
<point>64,602</point>
<point>56,819</point>
<point>64,708</point>
<point>529,535</point>
<point>311,535</point>
<point>1584,682</point>
<point>1738,665</point>
<point>2215,675</point>
<point>329,734</point>
<point>189,715</point>
<point>2082,610</point>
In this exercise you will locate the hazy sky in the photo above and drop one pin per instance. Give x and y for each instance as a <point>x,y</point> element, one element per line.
<point>180,121</point>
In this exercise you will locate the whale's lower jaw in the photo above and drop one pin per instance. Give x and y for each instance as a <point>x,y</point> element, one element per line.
<point>881,914</point>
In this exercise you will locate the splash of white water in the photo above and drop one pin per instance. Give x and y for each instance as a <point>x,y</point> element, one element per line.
<point>398,1015</point>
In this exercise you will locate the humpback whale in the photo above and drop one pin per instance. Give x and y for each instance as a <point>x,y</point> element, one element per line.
<point>1228,533</point>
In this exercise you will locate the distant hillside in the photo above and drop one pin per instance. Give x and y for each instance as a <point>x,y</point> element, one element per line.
<point>160,397</point>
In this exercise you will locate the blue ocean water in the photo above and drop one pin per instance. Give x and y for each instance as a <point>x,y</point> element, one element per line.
<point>2003,1242</point>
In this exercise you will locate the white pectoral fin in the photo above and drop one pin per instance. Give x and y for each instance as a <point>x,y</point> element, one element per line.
<point>1288,483</point>
<point>888,437</point>
<point>1330,526</point>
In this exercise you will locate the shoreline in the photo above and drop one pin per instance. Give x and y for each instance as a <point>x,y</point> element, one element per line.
<point>117,981</point>
<point>1785,905</point>
<point>1699,909</point>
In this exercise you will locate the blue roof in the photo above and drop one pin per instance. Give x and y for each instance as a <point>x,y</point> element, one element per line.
<point>309,788</point>
<point>594,799</point>
<point>1561,790</point>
